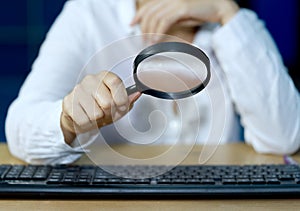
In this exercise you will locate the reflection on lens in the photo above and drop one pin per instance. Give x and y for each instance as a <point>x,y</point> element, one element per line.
<point>165,81</point>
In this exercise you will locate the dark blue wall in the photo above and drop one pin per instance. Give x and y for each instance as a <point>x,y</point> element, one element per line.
<point>24,23</point>
<point>282,19</point>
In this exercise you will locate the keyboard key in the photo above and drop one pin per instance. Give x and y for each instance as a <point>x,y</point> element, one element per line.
<point>67,181</point>
<point>258,181</point>
<point>243,181</point>
<point>273,181</point>
<point>142,181</point>
<point>39,177</point>
<point>285,177</point>
<point>193,181</point>
<point>113,181</point>
<point>178,181</point>
<point>153,182</point>
<point>99,181</point>
<point>54,181</point>
<point>164,181</point>
<point>207,181</point>
<point>25,177</point>
<point>229,181</point>
<point>83,181</point>
<point>128,181</point>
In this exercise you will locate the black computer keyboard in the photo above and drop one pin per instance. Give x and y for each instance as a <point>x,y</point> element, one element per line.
<point>87,182</point>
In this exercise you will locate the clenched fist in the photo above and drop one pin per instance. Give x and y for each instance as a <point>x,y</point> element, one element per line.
<point>96,101</point>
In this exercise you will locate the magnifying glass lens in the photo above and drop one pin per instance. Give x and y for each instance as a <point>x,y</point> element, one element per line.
<point>171,72</point>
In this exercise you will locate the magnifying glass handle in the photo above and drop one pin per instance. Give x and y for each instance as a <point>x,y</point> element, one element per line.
<point>131,89</point>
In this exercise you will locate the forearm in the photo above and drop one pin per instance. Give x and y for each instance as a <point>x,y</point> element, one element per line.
<point>259,85</point>
<point>34,135</point>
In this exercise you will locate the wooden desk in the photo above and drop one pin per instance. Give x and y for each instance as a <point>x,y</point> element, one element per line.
<point>225,154</point>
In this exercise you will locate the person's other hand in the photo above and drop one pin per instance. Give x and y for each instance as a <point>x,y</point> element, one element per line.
<point>158,16</point>
<point>96,101</point>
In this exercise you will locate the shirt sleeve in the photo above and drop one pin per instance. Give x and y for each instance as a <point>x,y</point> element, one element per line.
<point>261,90</point>
<point>33,121</point>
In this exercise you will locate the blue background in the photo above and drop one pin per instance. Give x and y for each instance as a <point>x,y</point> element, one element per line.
<point>24,23</point>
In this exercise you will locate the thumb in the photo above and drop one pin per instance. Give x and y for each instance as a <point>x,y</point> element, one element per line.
<point>134,97</point>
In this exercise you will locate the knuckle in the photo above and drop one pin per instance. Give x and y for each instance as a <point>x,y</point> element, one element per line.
<point>76,94</point>
<point>76,89</point>
<point>102,74</point>
<point>80,122</point>
<point>98,114</point>
<point>114,81</point>
<point>87,79</point>
<point>106,104</point>
<point>164,22</point>
<point>103,102</point>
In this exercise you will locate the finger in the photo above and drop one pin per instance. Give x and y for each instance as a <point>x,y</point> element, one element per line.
<point>69,124</point>
<point>190,23</point>
<point>153,22</point>
<point>165,8</point>
<point>88,100</point>
<point>90,106</point>
<point>138,16</point>
<point>103,97</point>
<point>148,14</point>
<point>66,121</point>
<point>170,18</point>
<point>117,114</point>
<point>78,107</point>
<point>134,97</point>
<point>73,109</point>
<point>105,100</point>
<point>145,13</point>
<point>117,89</point>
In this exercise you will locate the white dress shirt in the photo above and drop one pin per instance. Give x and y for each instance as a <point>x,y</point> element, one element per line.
<point>249,89</point>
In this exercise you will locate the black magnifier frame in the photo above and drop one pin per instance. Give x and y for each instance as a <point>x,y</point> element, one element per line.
<point>168,47</point>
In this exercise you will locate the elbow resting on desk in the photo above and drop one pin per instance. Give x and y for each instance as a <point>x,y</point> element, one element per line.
<point>283,145</point>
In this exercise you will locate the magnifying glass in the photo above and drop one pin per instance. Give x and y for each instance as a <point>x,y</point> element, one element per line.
<point>170,70</point>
